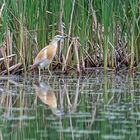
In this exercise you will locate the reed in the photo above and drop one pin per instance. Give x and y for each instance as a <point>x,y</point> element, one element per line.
<point>133,47</point>
<point>108,31</point>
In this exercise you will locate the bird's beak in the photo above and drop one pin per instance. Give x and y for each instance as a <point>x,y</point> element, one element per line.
<point>62,37</point>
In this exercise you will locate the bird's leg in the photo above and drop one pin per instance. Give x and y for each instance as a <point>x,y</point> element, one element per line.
<point>39,74</point>
<point>43,71</point>
<point>49,72</point>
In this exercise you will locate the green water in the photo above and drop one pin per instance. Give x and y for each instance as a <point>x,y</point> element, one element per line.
<point>69,107</point>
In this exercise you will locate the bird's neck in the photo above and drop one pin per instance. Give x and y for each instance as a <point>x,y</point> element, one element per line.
<point>54,43</point>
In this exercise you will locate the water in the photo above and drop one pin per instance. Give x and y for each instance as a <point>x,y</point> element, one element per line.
<point>68,107</point>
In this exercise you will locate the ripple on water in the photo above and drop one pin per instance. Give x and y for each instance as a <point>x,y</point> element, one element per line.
<point>112,137</point>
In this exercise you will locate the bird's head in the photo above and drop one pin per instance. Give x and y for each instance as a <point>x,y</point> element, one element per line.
<point>58,38</point>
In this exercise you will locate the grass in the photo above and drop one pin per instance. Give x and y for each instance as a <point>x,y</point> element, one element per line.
<point>108,32</point>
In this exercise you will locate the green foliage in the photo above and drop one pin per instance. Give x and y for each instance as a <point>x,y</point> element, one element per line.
<point>105,27</point>
<point>3,24</point>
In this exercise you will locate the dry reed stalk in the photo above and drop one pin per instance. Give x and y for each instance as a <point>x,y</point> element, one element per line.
<point>77,46</point>
<point>83,63</point>
<point>10,56</point>
<point>71,18</point>
<point>61,26</point>
<point>67,55</point>
<point>13,69</point>
<point>93,14</point>
<point>8,39</point>
<point>22,49</point>
<point>6,60</point>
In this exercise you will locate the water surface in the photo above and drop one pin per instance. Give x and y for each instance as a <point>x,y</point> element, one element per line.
<point>94,107</point>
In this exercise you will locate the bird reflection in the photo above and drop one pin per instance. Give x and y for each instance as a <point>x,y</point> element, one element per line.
<point>47,96</point>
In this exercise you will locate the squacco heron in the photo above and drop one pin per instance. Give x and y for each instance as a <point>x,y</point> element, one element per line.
<point>48,97</point>
<point>46,55</point>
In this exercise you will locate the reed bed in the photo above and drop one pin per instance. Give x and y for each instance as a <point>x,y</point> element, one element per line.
<point>101,33</point>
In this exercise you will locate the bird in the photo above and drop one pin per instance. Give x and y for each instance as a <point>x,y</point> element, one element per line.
<point>46,94</point>
<point>46,55</point>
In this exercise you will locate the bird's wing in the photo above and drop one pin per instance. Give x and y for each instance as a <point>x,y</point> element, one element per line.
<point>46,53</point>
<point>41,56</point>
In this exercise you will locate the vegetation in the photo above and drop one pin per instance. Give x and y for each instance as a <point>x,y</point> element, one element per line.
<point>101,33</point>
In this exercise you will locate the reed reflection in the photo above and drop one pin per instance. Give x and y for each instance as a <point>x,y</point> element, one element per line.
<point>46,94</point>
